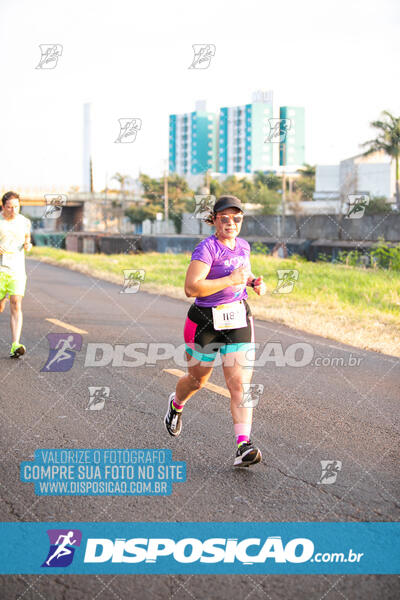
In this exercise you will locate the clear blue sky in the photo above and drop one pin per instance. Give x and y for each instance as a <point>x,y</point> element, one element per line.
<point>130,59</point>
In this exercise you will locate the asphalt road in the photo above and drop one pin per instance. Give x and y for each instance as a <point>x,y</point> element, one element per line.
<point>306,414</point>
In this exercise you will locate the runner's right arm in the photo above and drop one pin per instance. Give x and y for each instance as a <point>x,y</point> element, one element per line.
<point>197,286</point>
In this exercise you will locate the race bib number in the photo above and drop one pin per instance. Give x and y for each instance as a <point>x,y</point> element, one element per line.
<point>229,316</point>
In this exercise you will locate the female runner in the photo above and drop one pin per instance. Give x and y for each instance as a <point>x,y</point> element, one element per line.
<point>220,319</point>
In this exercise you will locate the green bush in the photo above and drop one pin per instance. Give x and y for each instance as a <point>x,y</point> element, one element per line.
<point>381,256</point>
<point>260,248</point>
<point>377,205</point>
<point>386,257</point>
<point>298,258</point>
<point>352,258</point>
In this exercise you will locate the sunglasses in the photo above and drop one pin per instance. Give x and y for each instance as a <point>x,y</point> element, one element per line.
<point>227,218</point>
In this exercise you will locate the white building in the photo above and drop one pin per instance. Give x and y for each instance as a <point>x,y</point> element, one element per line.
<point>374,175</point>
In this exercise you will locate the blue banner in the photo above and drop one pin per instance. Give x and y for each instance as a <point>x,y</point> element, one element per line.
<point>199,548</point>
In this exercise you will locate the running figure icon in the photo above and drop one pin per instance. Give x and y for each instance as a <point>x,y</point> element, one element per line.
<point>62,549</point>
<point>63,545</point>
<point>286,280</point>
<point>62,353</point>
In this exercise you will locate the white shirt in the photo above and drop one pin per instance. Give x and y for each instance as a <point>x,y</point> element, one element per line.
<point>12,239</point>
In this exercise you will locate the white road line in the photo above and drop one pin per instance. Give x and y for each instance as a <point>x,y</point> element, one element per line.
<point>210,386</point>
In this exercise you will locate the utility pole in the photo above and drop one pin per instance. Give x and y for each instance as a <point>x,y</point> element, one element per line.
<point>105,207</point>
<point>165,195</point>
<point>91,175</point>
<point>290,188</point>
<point>208,181</point>
<point>283,188</point>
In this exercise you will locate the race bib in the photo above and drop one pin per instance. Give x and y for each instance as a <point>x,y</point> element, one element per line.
<point>229,316</point>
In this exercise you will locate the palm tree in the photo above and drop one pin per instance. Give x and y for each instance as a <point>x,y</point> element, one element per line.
<point>122,180</point>
<point>388,140</point>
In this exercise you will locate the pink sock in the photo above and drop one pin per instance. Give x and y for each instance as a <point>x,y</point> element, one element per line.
<point>177,406</point>
<point>242,432</point>
<point>241,438</point>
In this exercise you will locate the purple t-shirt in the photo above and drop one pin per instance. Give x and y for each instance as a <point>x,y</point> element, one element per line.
<point>222,261</point>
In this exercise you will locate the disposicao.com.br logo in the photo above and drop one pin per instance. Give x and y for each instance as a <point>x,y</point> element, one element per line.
<point>210,548</point>
<point>248,551</point>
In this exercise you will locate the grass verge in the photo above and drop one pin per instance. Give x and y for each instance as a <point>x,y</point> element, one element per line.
<point>360,307</point>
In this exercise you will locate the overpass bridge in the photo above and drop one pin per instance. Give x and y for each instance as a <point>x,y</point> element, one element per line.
<point>70,217</point>
<point>80,211</point>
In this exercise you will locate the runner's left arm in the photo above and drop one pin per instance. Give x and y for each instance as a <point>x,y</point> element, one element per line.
<point>27,243</point>
<point>258,281</point>
<point>257,284</point>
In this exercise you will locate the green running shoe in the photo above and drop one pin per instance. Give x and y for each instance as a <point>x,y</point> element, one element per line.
<point>17,350</point>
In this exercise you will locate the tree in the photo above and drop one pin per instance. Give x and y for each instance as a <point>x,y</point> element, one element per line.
<point>306,182</point>
<point>153,189</point>
<point>307,170</point>
<point>269,180</point>
<point>122,180</point>
<point>138,214</point>
<point>215,187</point>
<point>234,187</point>
<point>180,199</point>
<point>388,140</point>
<point>270,200</point>
<point>152,201</point>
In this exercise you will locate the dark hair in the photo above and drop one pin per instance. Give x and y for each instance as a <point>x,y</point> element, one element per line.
<point>210,218</point>
<point>9,196</point>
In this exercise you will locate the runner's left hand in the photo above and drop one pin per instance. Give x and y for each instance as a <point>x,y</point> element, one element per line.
<point>259,286</point>
<point>28,246</point>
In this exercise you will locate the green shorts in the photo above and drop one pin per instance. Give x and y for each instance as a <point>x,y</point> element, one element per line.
<point>12,285</point>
